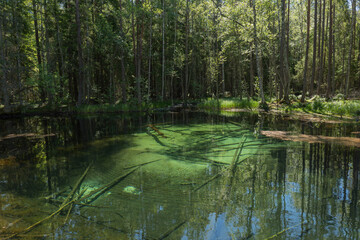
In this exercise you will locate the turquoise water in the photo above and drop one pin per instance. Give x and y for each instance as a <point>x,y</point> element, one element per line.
<point>191,176</point>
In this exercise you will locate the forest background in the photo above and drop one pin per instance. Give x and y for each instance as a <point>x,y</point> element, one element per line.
<point>134,52</point>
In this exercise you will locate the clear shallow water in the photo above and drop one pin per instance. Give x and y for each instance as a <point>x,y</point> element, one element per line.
<point>189,189</point>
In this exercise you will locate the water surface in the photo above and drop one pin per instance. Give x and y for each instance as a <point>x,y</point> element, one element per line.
<point>193,176</point>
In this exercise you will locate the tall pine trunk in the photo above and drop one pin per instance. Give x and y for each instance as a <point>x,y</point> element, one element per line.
<point>329,76</point>
<point>163,53</point>
<point>4,86</point>
<point>258,58</point>
<point>123,71</point>
<point>353,19</point>
<point>313,74</point>
<point>306,52</point>
<point>80,85</point>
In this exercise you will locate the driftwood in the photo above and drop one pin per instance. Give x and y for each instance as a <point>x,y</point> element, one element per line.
<point>288,136</point>
<point>152,126</point>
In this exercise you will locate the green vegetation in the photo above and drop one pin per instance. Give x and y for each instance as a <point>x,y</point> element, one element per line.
<point>73,53</point>
<point>228,103</point>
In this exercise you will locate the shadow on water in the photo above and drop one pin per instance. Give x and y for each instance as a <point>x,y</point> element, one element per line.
<point>186,183</point>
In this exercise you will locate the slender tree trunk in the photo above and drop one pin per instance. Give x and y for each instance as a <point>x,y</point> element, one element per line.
<point>38,54</point>
<point>223,77</point>
<point>18,55</point>
<point>329,77</point>
<point>174,55</point>
<point>313,74</point>
<point>321,70</point>
<point>49,84</point>
<point>139,33</point>
<point>258,58</point>
<point>80,85</point>
<point>163,53</point>
<point>4,85</point>
<point>123,71</point>
<point>251,83</point>
<point>186,53</point>
<point>306,52</point>
<point>150,53</point>
<point>334,55</point>
<point>284,65</point>
<point>352,28</point>
<point>60,51</point>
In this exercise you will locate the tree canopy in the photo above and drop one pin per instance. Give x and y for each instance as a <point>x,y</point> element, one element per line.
<point>88,51</point>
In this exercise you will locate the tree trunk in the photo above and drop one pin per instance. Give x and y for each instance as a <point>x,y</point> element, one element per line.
<point>306,52</point>
<point>4,86</point>
<point>353,19</point>
<point>139,33</point>
<point>80,85</point>
<point>186,54</point>
<point>251,83</point>
<point>163,54</point>
<point>284,66</point>
<point>329,77</point>
<point>123,71</point>
<point>313,74</point>
<point>150,54</point>
<point>258,58</point>
<point>321,70</point>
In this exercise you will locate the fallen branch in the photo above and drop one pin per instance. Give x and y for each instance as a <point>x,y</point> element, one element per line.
<point>142,164</point>
<point>282,231</point>
<point>171,230</point>
<point>156,139</point>
<point>98,192</point>
<point>77,185</point>
<point>28,229</point>
<point>156,130</point>
<point>233,164</point>
<point>288,136</point>
<point>209,180</point>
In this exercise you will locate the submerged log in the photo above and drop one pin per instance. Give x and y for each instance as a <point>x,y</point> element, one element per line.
<point>171,230</point>
<point>156,130</point>
<point>295,137</point>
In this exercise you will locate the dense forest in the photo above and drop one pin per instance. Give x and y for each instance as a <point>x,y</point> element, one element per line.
<point>93,51</point>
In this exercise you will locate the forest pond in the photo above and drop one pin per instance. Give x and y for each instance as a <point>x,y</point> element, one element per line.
<point>178,176</point>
